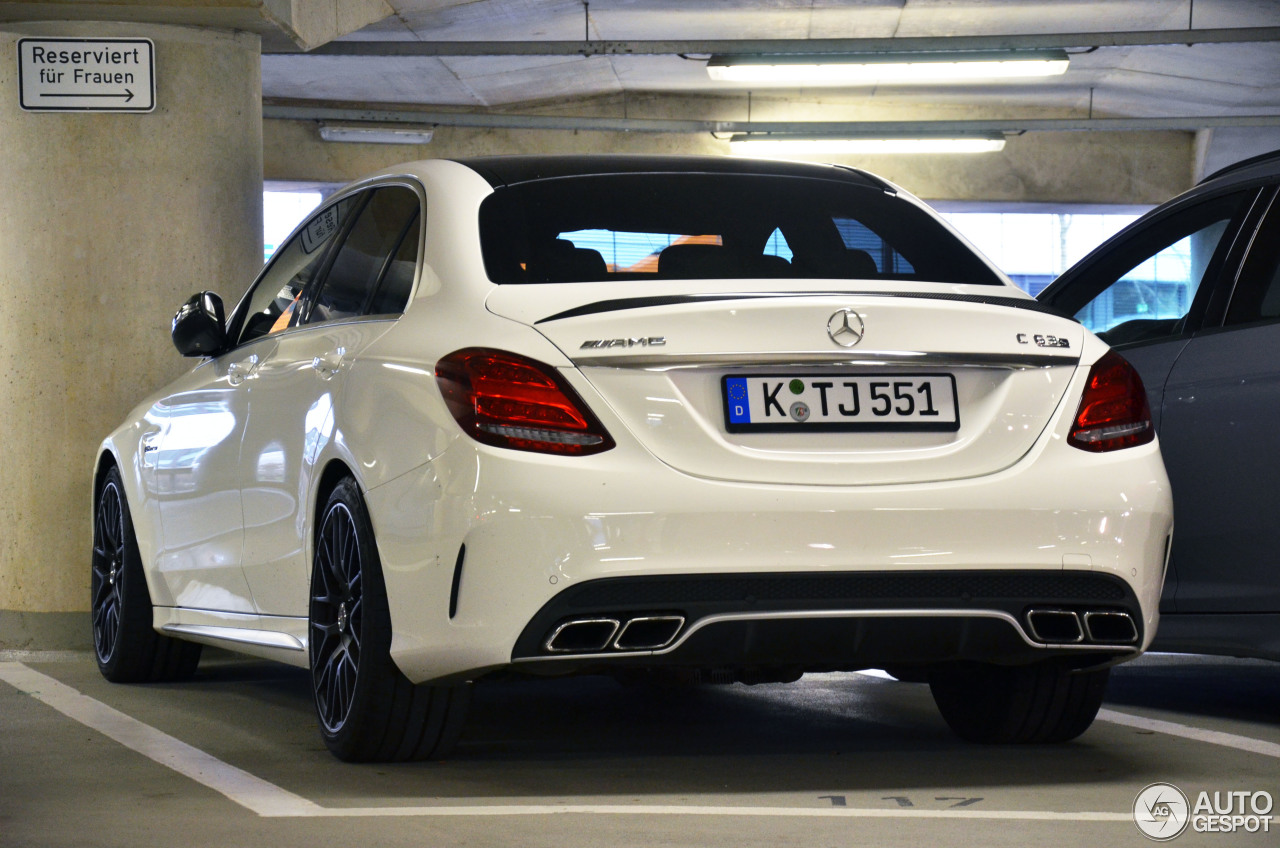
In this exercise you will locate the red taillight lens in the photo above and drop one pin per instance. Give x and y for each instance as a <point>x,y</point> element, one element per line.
<point>1113,413</point>
<point>509,401</point>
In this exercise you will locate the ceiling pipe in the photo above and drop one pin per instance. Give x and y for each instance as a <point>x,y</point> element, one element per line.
<point>793,46</point>
<point>325,111</point>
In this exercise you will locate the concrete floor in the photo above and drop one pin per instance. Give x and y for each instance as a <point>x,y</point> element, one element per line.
<point>232,758</point>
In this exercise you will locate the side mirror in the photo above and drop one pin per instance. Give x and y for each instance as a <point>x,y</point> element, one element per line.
<point>199,328</point>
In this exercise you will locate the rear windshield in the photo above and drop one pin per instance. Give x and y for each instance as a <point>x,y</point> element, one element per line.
<point>671,226</point>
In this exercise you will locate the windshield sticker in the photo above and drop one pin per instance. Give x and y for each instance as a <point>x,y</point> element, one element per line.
<point>321,228</point>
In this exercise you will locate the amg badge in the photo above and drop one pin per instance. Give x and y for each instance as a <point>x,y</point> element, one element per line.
<point>648,341</point>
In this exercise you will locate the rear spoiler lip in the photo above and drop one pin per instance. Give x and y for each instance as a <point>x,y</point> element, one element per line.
<point>620,304</point>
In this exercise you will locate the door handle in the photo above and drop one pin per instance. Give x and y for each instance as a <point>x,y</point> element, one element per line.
<point>330,363</point>
<point>238,371</point>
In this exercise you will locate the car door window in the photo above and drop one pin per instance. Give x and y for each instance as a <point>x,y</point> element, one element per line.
<point>1257,293</point>
<point>1148,287</point>
<point>392,293</point>
<point>369,253</point>
<point>275,303</point>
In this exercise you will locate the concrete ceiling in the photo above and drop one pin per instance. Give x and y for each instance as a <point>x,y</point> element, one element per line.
<point>530,75</point>
<point>280,23</point>
<point>1155,80</point>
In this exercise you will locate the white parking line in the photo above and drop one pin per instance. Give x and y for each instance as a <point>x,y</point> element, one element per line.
<point>270,801</point>
<point>1169,728</point>
<point>265,799</point>
<point>1213,737</point>
<point>724,811</point>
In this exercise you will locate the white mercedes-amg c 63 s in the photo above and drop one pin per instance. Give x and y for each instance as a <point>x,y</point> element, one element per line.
<point>660,417</point>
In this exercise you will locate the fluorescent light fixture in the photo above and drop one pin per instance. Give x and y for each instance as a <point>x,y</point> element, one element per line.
<point>376,133</point>
<point>890,68</point>
<point>777,144</point>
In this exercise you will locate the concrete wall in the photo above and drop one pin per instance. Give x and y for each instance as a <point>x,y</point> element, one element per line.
<point>1218,148</point>
<point>107,223</point>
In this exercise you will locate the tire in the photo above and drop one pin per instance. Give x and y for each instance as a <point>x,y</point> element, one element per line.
<point>367,709</point>
<point>125,643</point>
<point>1045,702</point>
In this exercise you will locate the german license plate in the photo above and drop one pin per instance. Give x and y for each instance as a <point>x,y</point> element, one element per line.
<point>834,402</point>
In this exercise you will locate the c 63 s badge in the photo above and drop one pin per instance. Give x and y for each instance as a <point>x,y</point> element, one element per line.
<point>1043,340</point>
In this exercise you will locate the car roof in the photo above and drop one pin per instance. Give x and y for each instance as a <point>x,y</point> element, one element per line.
<point>1262,165</point>
<point>1252,173</point>
<point>503,171</point>
<point>1249,173</point>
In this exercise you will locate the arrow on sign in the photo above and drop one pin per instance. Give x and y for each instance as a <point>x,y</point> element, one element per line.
<point>128,95</point>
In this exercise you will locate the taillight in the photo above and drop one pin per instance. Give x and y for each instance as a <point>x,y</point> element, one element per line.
<point>510,401</point>
<point>1113,413</point>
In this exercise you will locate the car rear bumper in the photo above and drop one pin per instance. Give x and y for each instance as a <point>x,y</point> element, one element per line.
<point>834,621</point>
<point>487,552</point>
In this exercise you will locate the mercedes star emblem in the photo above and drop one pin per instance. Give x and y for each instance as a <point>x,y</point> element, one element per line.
<point>846,328</point>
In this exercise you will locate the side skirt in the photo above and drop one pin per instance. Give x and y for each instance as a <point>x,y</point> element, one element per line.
<point>279,638</point>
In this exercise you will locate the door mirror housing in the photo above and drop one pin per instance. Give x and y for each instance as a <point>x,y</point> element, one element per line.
<point>199,328</point>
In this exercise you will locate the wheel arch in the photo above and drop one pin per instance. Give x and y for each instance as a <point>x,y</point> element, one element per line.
<point>107,459</point>
<point>102,466</point>
<point>110,455</point>
<point>334,471</point>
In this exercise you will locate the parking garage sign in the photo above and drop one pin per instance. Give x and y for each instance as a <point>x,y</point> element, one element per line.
<point>87,74</point>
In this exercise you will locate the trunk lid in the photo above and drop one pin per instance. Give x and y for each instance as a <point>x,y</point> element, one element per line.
<point>729,384</point>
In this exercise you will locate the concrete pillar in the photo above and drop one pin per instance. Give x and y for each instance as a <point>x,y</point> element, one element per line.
<point>107,223</point>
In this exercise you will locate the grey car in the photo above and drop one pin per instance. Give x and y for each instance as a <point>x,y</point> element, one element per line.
<point>1190,295</point>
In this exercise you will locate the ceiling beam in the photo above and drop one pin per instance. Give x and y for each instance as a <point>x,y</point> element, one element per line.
<point>325,111</point>
<point>794,46</point>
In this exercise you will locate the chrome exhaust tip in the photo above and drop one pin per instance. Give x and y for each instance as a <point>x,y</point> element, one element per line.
<point>584,635</point>
<point>648,633</point>
<point>1111,627</point>
<point>1055,626</point>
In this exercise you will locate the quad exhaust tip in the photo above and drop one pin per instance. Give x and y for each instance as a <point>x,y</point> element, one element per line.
<point>1057,626</point>
<point>1067,627</point>
<point>584,635</point>
<point>655,632</point>
<point>595,635</point>
<point>649,633</point>
<point>1117,627</point>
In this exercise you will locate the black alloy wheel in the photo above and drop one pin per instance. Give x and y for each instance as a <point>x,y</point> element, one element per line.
<point>106,580</point>
<point>125,643</point>
<point>337,617</point>
<point>367,709</point>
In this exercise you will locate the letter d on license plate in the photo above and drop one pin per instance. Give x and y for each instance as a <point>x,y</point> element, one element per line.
<point>841,402</point>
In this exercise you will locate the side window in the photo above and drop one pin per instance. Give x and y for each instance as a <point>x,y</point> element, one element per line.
<point>1146,288</point>
<point>1159,290</point>
<point>1257,294</point>
<point>371,252</point>
<point>276,300</point>
<point>392,294</point>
